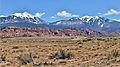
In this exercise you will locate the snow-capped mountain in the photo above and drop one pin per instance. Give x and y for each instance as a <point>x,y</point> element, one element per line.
<point>82,20</point>
<point>21,17</point>
<point>93,22</point>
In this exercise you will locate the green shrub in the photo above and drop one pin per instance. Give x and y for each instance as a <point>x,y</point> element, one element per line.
<point>86,40</point>
<point>25,58</point>
<point>3,58</point>
<point>61,54</point>
<point>114,53</point>
<point>15,47</point>
<point>4,41</point>
<point>100,39</point>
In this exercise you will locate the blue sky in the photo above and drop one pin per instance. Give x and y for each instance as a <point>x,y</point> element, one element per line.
<point>62,9</point>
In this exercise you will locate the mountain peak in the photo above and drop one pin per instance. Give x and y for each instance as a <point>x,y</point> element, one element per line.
<point>24,15</point>
<point>74,19</point>
<point>21,17</point>
<point>97,17</point>
<point>90,17</point>
<point>86,17</point>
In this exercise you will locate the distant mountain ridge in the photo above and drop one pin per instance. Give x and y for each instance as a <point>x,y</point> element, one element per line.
<point>92,22</point>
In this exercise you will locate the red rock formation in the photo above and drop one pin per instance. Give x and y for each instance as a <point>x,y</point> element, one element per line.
<point>13,31</point>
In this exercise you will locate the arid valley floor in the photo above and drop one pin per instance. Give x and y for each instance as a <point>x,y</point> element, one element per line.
<point>60,52</point>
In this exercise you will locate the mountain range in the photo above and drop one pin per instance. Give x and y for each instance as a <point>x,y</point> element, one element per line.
<point>25,19</point>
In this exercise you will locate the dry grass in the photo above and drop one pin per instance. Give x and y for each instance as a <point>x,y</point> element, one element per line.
<point>86,51</point>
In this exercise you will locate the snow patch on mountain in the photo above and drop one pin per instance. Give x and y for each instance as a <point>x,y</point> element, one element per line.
<point>28,15</point>
<point>3,16</point>
<point>102,25</point>
<point>117,20</point>
<point>86,18</point>
<point>24,15</point>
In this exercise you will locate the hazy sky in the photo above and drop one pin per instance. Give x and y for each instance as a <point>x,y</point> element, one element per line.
<point>61,9</point>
